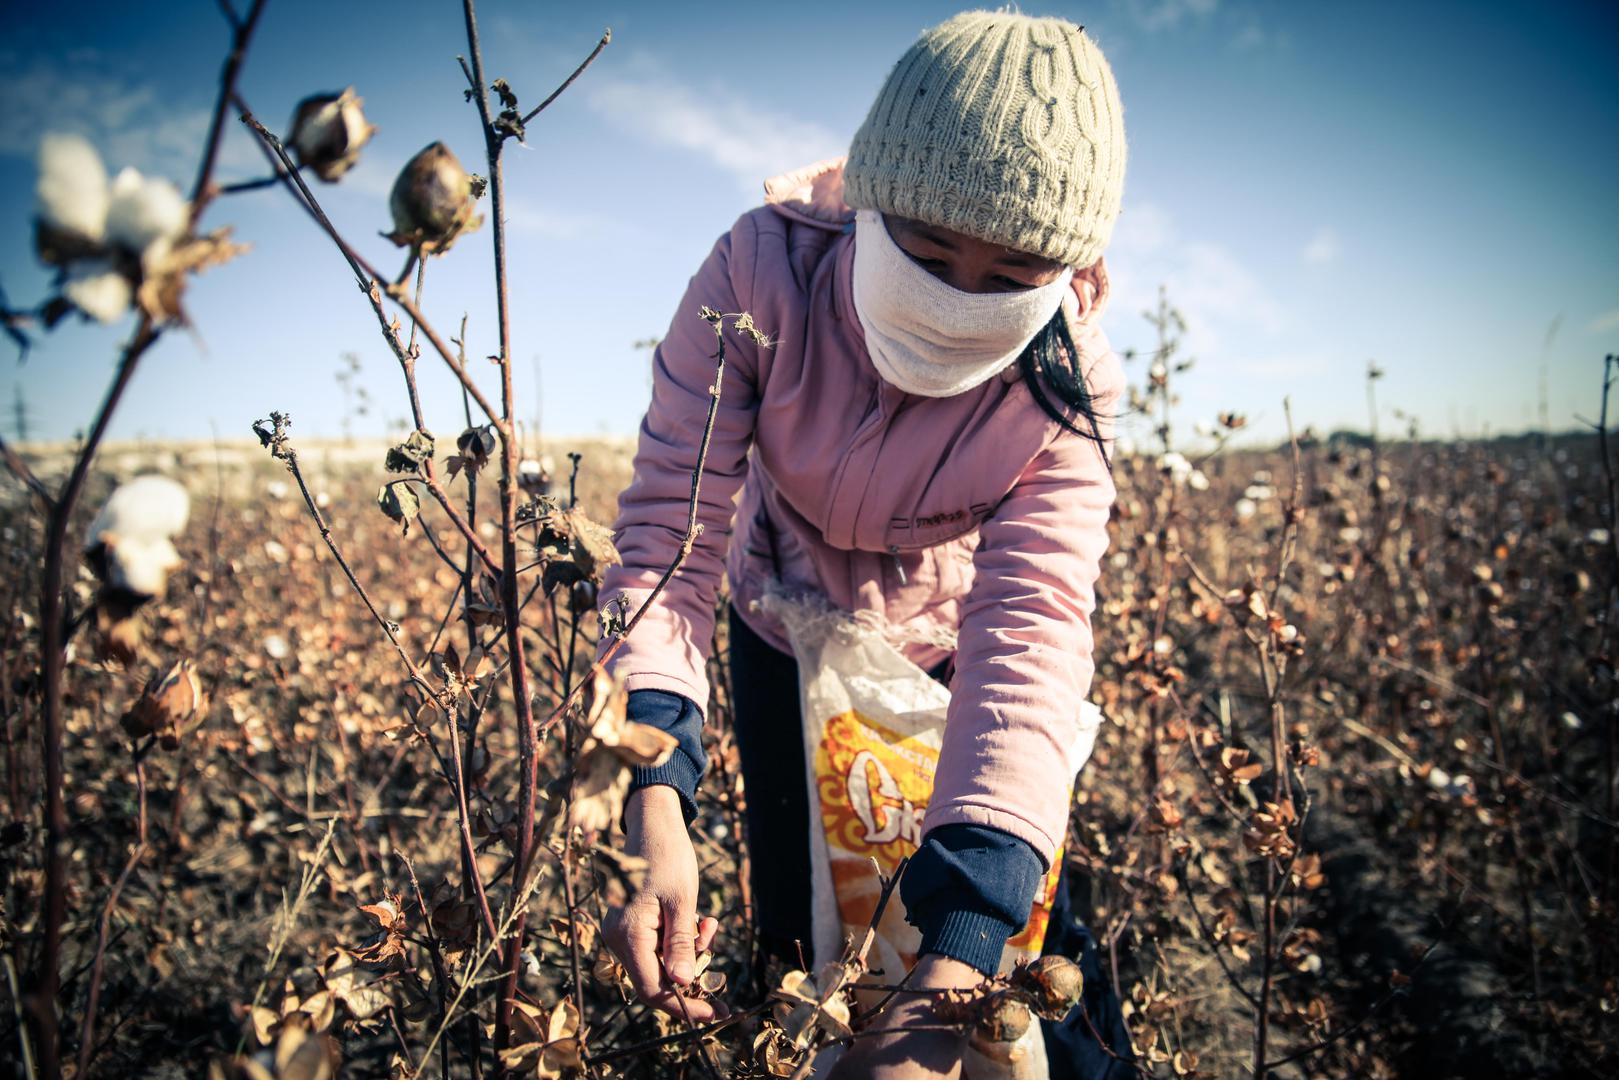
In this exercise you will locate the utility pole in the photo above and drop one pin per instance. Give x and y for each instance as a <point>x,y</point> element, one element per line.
<point>1545,377</point>
<point>19,412</point>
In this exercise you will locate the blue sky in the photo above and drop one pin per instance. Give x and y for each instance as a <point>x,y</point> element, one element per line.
<point>1316,184</point>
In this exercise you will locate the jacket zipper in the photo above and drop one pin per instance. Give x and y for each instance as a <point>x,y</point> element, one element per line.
<point>869,425</point>
<point>899,568</point>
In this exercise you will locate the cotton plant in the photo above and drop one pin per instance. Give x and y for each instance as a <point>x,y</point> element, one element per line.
<point>116,243</point>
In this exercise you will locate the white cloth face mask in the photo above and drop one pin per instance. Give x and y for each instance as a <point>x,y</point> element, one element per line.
<point>929,338</point>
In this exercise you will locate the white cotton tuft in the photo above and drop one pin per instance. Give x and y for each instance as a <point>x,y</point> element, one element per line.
<point>140,566</point>
<point>147,506</point>
<point>1197,481</point>
<point>1246,508</point>
<point>144,210</point>
<point>136,528</point>
<point>72,186</point>
<point>98,290</point>
<point>1175,464</point>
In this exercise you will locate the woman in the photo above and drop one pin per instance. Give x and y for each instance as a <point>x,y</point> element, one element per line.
<point>926,440</point>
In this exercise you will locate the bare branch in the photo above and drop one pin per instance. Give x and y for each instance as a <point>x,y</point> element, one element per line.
<point>607,36</point>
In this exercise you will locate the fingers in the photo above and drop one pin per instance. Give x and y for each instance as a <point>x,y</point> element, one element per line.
<point>707,928</point>
<point>635,933</point>
<point>632,934</point>
<point>680,938</point>
<point>681,1007</point>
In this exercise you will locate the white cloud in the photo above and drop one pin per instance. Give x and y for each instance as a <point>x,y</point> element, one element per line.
<point>728,128</point>
<point>1323,247</point>
<point>1220,298</point>
<point>523,216</point>
<point>1156,15</point>
<point>1143,228</point>
<point>127,121</point>
<point>1286,366</point>
<point>1605,323</point>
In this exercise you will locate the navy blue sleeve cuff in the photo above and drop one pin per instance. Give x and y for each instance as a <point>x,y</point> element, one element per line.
<point>968,889</point>
<point>677,715</point>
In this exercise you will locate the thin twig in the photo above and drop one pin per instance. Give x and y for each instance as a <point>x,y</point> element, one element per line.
<point>282,450</point>
<point>88,1030</point>
<point>19,468</point>
<point>26,1048</point>
<point>364,276</point>
<point>607,36</point>
<point>517,672</point>
<point>687,541</point>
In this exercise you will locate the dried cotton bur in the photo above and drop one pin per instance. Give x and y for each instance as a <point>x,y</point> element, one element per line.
<point>433,201</point>
<point>609,745</point>
<point>328,131</point>
<point>998,1013</point>
<point>809,1011</point>
<point>172,705</point>
<point>545,1045</point>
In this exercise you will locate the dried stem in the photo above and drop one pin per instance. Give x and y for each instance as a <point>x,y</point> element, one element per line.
<point>88,1030</point>
<point>53,663</point>
<point>607,36</point>
<point>510,602</point>
<point>283,451</point>
<point>364,275</point>
<point>687,541</point>
<point>242,29</point>
<point>19,468</point>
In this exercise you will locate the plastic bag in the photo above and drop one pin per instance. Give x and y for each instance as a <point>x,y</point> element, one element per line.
<point>873,725</point>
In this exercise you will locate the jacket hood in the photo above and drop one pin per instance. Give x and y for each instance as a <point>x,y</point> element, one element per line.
<point>813,196</point>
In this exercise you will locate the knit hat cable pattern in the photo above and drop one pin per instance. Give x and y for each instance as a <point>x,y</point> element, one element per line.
<point>1001,126</point>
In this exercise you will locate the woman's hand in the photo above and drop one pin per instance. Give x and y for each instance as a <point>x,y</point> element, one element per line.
<point>892,1050</point>
<point>657,935</point>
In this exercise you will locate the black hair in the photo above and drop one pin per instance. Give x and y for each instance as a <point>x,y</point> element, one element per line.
<point>1051,369</point>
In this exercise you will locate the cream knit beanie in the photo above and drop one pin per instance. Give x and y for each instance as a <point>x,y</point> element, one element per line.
<point>1001,126</point>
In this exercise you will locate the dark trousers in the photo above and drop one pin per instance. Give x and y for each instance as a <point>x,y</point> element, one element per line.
<point>768,723</point>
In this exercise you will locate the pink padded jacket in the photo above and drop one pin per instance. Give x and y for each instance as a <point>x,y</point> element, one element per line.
<point>974,514</point>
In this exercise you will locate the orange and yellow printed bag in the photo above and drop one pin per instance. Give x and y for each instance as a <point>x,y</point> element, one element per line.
<point>873,725</point>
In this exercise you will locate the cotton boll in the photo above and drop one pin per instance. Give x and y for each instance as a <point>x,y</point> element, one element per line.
<point>431,201</point>
<point>98,290</point>
<point>140,566</point>
<point>143,211</point>
<point>147,506</point>
<point>328,131</point>
<point>132,535</point>
<point>1176,465</point>
<point>72,187</point>
<point>1246,509</point>
<point>1197,481</point>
